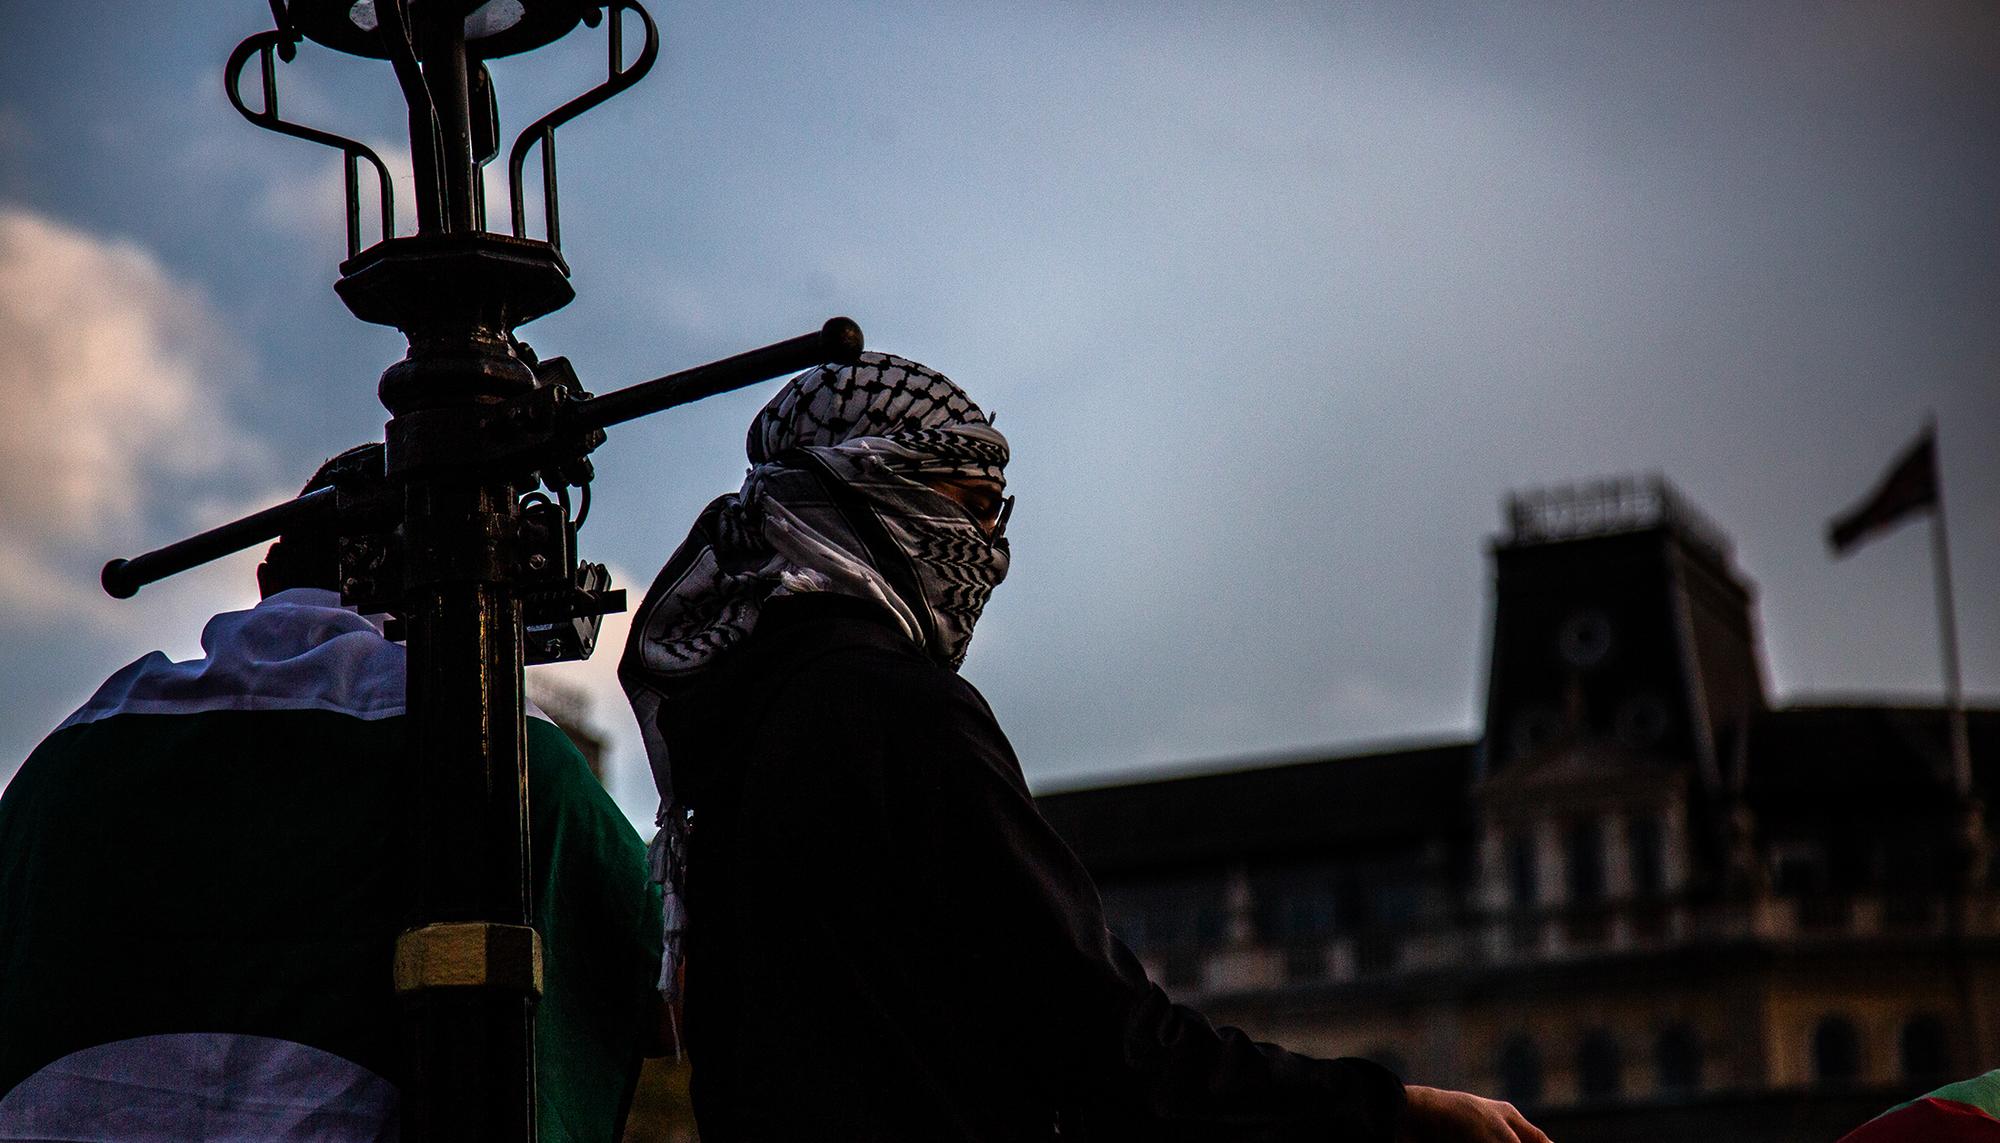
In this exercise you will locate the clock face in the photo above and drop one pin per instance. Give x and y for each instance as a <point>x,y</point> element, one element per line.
<point>1534,728</point>
<point>1642,721</point>
<point>1584,638</point>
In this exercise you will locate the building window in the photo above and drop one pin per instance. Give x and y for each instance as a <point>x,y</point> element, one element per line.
<point>1584,852</point>
<point>1182,970</point>
<point>1925,1058</point>
<point>1836,1051</point>
<point>1389,902</point>
<point>1644,843</point>
<point>1677,1061</point>
<point>1296,903</point>
<point>1798,868</point>
<point>1211,925</point>
<point>1164,925</point>
<point>1293,912</point>
<point>1910,908</point>
<point>1521,1072</point>
<point>1169,914</point>
<point>1599,1071</point>
<point>1305,962</point>
<point>1376,952</point>
<point>1521,871</point>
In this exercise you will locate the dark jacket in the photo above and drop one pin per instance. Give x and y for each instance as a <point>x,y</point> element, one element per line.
<point>887,942</point>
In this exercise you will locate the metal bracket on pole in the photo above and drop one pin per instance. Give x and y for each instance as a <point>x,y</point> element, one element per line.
<point>470,954</point>
<point>527,438</point>
<point>543,130</point>
<point>285,45</point>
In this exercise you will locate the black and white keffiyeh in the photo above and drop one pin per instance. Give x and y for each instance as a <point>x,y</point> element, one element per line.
<point>836,500</point>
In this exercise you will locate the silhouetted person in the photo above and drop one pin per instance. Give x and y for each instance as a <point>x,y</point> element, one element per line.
<point>884,940</point>
<point>202,877</point>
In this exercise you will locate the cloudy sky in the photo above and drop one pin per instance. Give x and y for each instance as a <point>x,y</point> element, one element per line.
<point>1275,301</point>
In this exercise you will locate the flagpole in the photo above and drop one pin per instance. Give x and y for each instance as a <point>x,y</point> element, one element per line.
<point>1954,694</point>
<point>1972,827</point>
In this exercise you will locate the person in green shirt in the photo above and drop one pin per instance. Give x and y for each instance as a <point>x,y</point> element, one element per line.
<point>201,885</point>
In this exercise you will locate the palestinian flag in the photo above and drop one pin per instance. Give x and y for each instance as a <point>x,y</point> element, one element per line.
<point>201,885</point>
<point>1963,1112</point>
<point>1910,487</point>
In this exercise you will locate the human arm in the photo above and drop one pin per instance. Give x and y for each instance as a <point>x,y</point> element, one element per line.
<point>1026,921</point>
<point>1433,1115</point>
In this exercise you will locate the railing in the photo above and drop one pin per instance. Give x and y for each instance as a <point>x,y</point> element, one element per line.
<point>1607,507</point>
<point>1514,938</point>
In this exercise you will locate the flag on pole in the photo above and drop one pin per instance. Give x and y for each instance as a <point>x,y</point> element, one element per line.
<point>1909,488</point>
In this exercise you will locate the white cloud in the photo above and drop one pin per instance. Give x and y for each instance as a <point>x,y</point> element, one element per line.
<point>113,379</point>
<point>314,201</point>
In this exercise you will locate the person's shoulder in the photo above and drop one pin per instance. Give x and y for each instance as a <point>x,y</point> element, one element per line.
<point>841,635</point>
<point>549,745</point>
<point>843,650</point>
<point>562,785</point>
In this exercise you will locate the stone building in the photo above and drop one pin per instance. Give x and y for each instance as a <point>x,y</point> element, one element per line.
<point>1645,903</point>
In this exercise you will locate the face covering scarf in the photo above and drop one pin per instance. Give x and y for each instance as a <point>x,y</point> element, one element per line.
<point>837,500</point>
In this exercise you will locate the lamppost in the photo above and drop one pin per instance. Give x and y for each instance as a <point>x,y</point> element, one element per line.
<point>448,528</point>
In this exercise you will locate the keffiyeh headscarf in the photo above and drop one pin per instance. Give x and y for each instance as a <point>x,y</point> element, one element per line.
<point>837,500</point>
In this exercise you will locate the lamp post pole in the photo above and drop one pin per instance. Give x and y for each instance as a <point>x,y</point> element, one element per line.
<point>449,533</point>
<point>468,968</point>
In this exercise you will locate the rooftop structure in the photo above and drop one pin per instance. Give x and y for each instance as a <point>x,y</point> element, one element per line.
<point>1608,506</point>
<point>1644,902</point>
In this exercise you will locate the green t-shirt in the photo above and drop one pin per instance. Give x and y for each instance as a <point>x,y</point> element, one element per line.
<point>236,872</point>
<point>209,858</point>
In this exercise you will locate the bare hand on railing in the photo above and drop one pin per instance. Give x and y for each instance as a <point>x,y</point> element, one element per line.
<point>1433,1115</point>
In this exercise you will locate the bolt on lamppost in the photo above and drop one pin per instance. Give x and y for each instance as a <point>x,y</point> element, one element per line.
<point>463,526</point>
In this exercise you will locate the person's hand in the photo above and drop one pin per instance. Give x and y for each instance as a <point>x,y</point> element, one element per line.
<point>1432,1115</point>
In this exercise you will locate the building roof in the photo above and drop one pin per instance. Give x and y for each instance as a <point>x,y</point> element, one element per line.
<point>1399,798</point>
<point>1872,748</point>
<point>1357,802</point>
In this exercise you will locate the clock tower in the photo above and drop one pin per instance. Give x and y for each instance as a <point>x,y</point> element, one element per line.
<point>1623,682</point>
<point>1619,625</point>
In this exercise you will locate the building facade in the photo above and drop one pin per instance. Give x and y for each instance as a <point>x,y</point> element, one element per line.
<point>1644,904</point>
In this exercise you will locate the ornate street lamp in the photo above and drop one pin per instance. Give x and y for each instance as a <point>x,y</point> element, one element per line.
<point>461,527</point>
